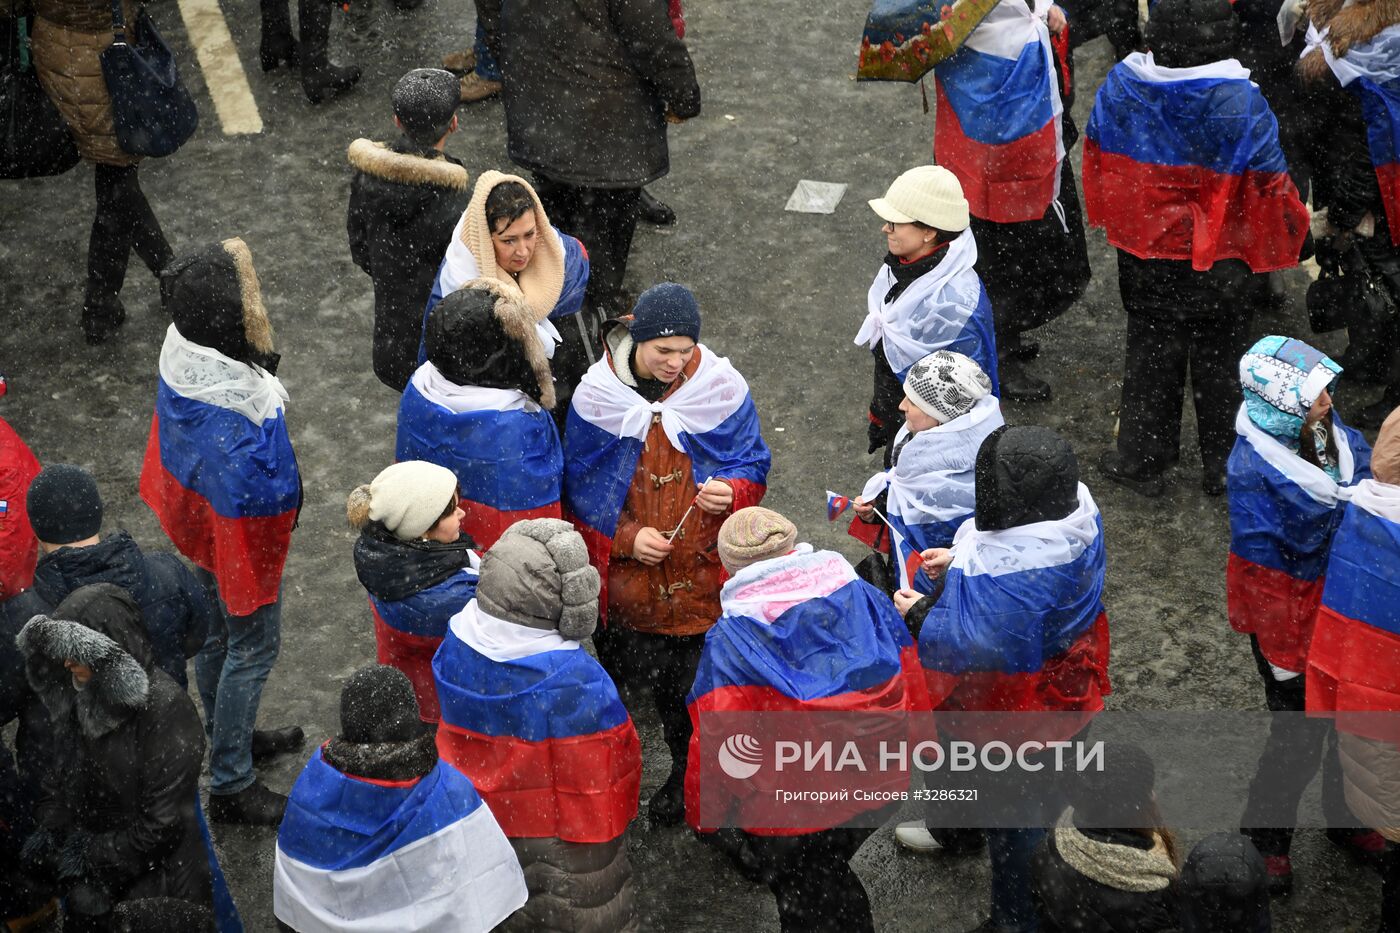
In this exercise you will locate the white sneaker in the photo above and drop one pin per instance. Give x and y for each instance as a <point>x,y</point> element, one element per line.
<point>915,837</point>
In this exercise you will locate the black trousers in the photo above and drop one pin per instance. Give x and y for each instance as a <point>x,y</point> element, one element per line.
<point>1390,891</point>
<point>604,219</point>
<point>123,223</point>
<point>1296,747</point>
<point>811,878</point>
<point>665,666</point>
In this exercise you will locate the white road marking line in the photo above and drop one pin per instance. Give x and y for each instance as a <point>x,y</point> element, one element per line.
<point>223,72</point>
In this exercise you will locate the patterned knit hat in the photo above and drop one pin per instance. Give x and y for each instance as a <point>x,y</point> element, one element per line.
<point>754,534</point>
<point>1282,378</point>
<point>946,385</point>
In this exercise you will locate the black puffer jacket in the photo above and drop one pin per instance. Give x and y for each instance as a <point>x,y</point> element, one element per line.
<point>117,818</point>
<point>174,608</point>
<point>1225,887</point>
<point>1068,900</point>
<point>587,86</point>
<point>404,204</point>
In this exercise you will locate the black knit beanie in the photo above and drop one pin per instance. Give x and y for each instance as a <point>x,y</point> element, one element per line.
<point>64,505</point>
<point>1188,33</point>
<point>665,310</point>
<point>468,344</point>
<point>377,706</point>
<point>1120,795</point>
<point>425,101</point>
<point>1024,474</point>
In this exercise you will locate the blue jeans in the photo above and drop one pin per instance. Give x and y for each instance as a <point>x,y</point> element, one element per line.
<point>230,670</point>
<point>486,66</point>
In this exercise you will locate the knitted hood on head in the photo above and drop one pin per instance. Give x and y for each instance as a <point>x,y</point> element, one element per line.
<point>382,736</point>
<point>1282,378</point>
<point>215,300</point>
<point>542,281</point>
<point>98,626</point>
<point>537,574</point>
<point>484,335</point>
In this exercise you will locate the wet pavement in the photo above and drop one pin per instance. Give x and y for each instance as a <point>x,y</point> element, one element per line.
<point>783,295</point>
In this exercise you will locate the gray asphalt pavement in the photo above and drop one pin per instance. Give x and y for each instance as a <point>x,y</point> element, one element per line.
<point>783,294</point>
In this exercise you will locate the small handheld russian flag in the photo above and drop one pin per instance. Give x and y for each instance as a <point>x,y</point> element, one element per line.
<point>835,505</point>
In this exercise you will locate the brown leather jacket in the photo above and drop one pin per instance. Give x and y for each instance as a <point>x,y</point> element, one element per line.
<point>679,596</point>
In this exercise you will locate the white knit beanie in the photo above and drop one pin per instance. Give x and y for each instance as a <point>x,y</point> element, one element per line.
<point>946,385</point>
<point>929,194</point>
<point>407,498</point>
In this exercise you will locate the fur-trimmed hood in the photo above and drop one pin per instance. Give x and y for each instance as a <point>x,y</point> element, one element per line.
<point>384,761</point>
<point>484,334</point>
<point>215,300</point>
<point>1346,25</point>
<point>406,168</point>
<point>98,626</point>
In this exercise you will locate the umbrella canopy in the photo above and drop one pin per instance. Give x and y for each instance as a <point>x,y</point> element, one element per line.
<point>904,39</point>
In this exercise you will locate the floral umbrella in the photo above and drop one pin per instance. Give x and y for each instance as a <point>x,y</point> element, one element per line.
<point>904,39</point>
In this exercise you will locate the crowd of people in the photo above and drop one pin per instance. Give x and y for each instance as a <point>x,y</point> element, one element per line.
<point>576,470</point>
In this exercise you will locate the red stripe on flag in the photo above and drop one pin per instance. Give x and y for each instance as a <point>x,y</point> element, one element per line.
<point>245,555</point>
<point>1189,212</point>
<point>412,654</point>
<point>1389,178</point>
<point>1005,183</point>
<point>1273,607</point>
<point>486,525</point>
<point>1352,668</point>
<point>579,789</point>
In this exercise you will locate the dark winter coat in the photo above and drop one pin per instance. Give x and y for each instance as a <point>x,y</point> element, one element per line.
<point>1225,887</point>
<point>404,204</point>
<point>117,816</point>
<point>1170,290</point>
<point>1069,900</point>
<point>175,609</point>
<point>587,87</point>
<point>1117,19</point>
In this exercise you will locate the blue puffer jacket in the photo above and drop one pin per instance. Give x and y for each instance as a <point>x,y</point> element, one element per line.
<point>174,607</point>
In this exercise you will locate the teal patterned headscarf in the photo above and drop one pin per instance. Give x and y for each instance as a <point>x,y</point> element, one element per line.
<point>1282,378</point>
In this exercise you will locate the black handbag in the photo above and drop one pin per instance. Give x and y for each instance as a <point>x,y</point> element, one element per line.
<point>1347,292</point>
<point>152,111</point>
<point>34,140</point>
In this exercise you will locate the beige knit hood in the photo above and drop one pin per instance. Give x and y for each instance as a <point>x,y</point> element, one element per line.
<point>543,279</point>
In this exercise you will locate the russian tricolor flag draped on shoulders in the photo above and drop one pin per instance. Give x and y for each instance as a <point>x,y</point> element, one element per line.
<point>538,726</point>
<point>800,633</point>
<point>1185,164</point>
<point>1354,659</point>
<point>355,854</point>
<point>504,449</point>
<point>710,417</point>
<point>1372,71</point>
<point>1021,626</point>
<point>219,471</point>
<point>997,126</point>
<point>1283,513</point>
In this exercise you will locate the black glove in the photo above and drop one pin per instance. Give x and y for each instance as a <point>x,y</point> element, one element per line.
<point>88,900</point>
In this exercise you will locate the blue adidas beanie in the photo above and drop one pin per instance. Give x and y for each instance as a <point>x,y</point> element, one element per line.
<point>665,310</point>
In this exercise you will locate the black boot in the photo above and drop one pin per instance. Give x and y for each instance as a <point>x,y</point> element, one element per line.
<point>268,743</point>
<point>320,79</point>
<point>655,212</point>
<point>278,45</point>
<point>254,805</point>
<point>1113,467</point>
<point>1019,385</point>
<point>667,806</point>
<point>103,316</point>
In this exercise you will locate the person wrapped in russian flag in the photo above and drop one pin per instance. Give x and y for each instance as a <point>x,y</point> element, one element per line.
<point>417,567</point>
<point>380,834</point>
<point>926,489</point>
<point>480,407</point>
<point>662,443</point>
<point>505,235</point>
<point>927,295</point>
<point>538,726</point>
<point>1288,477</point>
<point>1350,84</point>
<point>800,633</point>
<point>1018,627</point>
<point>1184,171</point>
<point>222,478</point>
<point>1354,660</point>
<point>1002,127</point>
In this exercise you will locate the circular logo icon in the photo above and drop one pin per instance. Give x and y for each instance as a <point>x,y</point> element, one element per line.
<point>740,756</point>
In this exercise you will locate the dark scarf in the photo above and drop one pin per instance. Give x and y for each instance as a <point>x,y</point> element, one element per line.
<point>392,570</point>
<point>905,273</point>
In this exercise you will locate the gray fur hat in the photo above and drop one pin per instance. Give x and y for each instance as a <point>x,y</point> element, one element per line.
<point>537,574</point>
